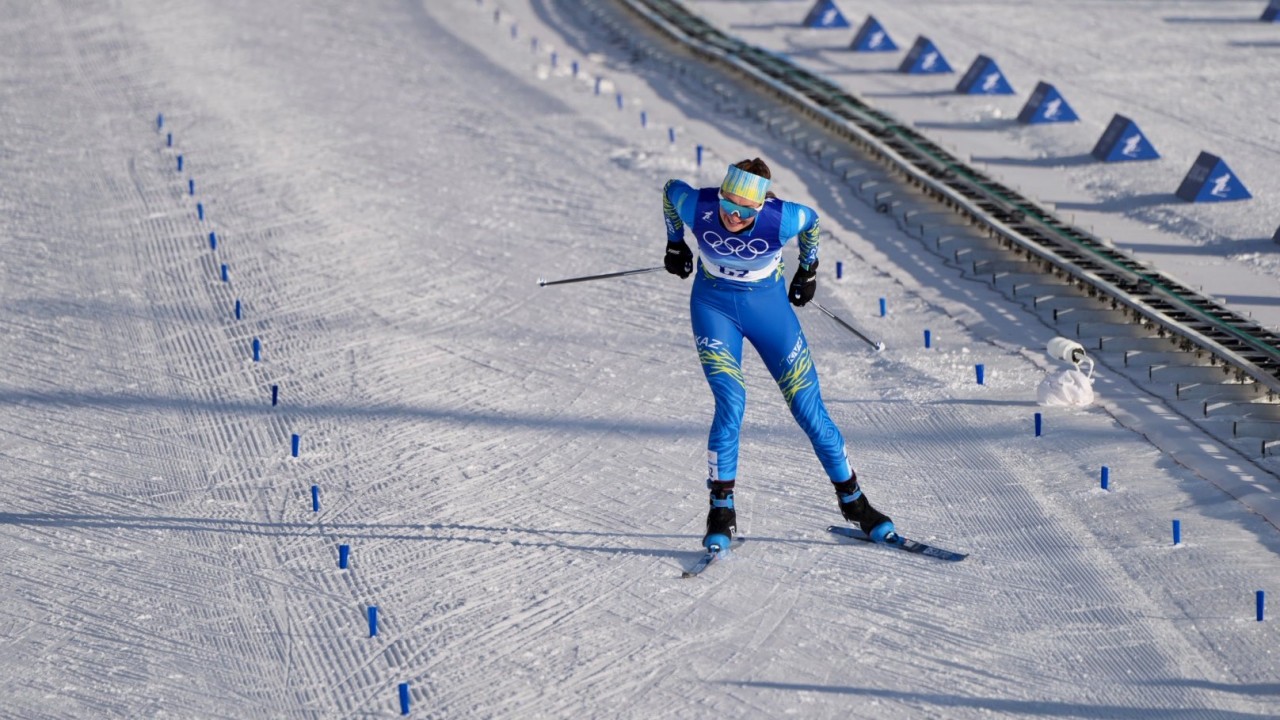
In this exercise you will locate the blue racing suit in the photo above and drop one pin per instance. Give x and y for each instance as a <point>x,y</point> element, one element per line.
<point>739,291</point>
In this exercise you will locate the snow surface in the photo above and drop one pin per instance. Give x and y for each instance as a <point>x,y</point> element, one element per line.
<point>518,469</point>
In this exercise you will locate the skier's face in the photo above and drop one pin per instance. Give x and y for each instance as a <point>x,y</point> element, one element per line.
<point>736,212</point>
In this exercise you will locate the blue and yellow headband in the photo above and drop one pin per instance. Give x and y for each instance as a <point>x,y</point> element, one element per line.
<point>743,184</point>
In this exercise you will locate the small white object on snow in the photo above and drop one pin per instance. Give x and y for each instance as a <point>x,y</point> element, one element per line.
<point>1071,387</point>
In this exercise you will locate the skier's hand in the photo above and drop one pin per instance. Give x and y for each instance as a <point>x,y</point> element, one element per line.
<point>679,259</point>
<point>803,283</point>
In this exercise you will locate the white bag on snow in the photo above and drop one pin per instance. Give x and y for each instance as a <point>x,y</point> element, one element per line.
<point>1065,388</point>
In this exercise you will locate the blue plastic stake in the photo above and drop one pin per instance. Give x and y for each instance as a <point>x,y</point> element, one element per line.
<point>257,349</point>
<point>404,698</point>
<point>315,498</point>
<point>200,210</point>
<point>1039,424</point>
<point>671,135</point>
<point>533,45</point>
<point>1177,532</point>
<point>574,67</point>
<point>213,241</point>
<point>373,621</point>
<point>168,140</point>
<point>883,307</point>
<point>191,186</point>
<point>159,121</point>
<point>598,79</point>
<point>699,156</point>
<point>179,163</point>
<point>644,119</point>
<point>981,371</point>
<point>553,60</point>
<point>928,339</point>
<point>296,442</point>
<point>1106,477</point>
<point>344,556</point>
<point>226,275</point>
<point>839,269</point>
<point>237,308</point>
<point>275,395</point>
<point>619,96</point>
<point>1262,605</point>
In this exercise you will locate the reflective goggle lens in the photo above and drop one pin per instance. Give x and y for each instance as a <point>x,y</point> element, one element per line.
<point>733,208</point>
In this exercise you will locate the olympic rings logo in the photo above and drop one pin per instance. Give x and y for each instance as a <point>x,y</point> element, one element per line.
<point>735,246</point>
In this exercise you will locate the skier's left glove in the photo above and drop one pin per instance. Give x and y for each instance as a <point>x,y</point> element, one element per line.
<point>803,283</point>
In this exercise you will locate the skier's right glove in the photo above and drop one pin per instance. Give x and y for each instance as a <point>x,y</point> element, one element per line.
<point>803,283</point>
<point>679,259</point>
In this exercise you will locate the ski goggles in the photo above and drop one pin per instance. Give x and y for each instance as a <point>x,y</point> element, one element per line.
<point>732,208</point>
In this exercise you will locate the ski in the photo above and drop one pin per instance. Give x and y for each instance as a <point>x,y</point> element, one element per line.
<point>708,558</point>
<point>902,543</point>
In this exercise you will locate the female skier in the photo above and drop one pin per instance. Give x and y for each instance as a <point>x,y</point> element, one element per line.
<point>740,229</point>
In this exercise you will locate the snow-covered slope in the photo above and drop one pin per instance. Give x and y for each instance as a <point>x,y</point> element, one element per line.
<point>516,469</point>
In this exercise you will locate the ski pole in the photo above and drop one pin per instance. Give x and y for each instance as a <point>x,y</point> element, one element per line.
<point>878,346</point>
<point>542,282</point>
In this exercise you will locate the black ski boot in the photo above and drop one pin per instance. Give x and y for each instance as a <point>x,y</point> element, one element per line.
<point>722,522</point>
<point>856,508</point>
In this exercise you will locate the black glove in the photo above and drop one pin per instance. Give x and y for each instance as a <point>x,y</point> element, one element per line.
<point>803,283</point>
<point>679,259</point>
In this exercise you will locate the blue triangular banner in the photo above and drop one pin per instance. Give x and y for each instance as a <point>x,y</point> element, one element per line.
<point>1272,13</point>
<point>1276,237</point>
<point>924,58</point>
<point>1122,140</point>
<point>1210,180</point>
<point>872,37</point>
<point>825,14</point>
<point>1046,105</point>
<point>984,78</point>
